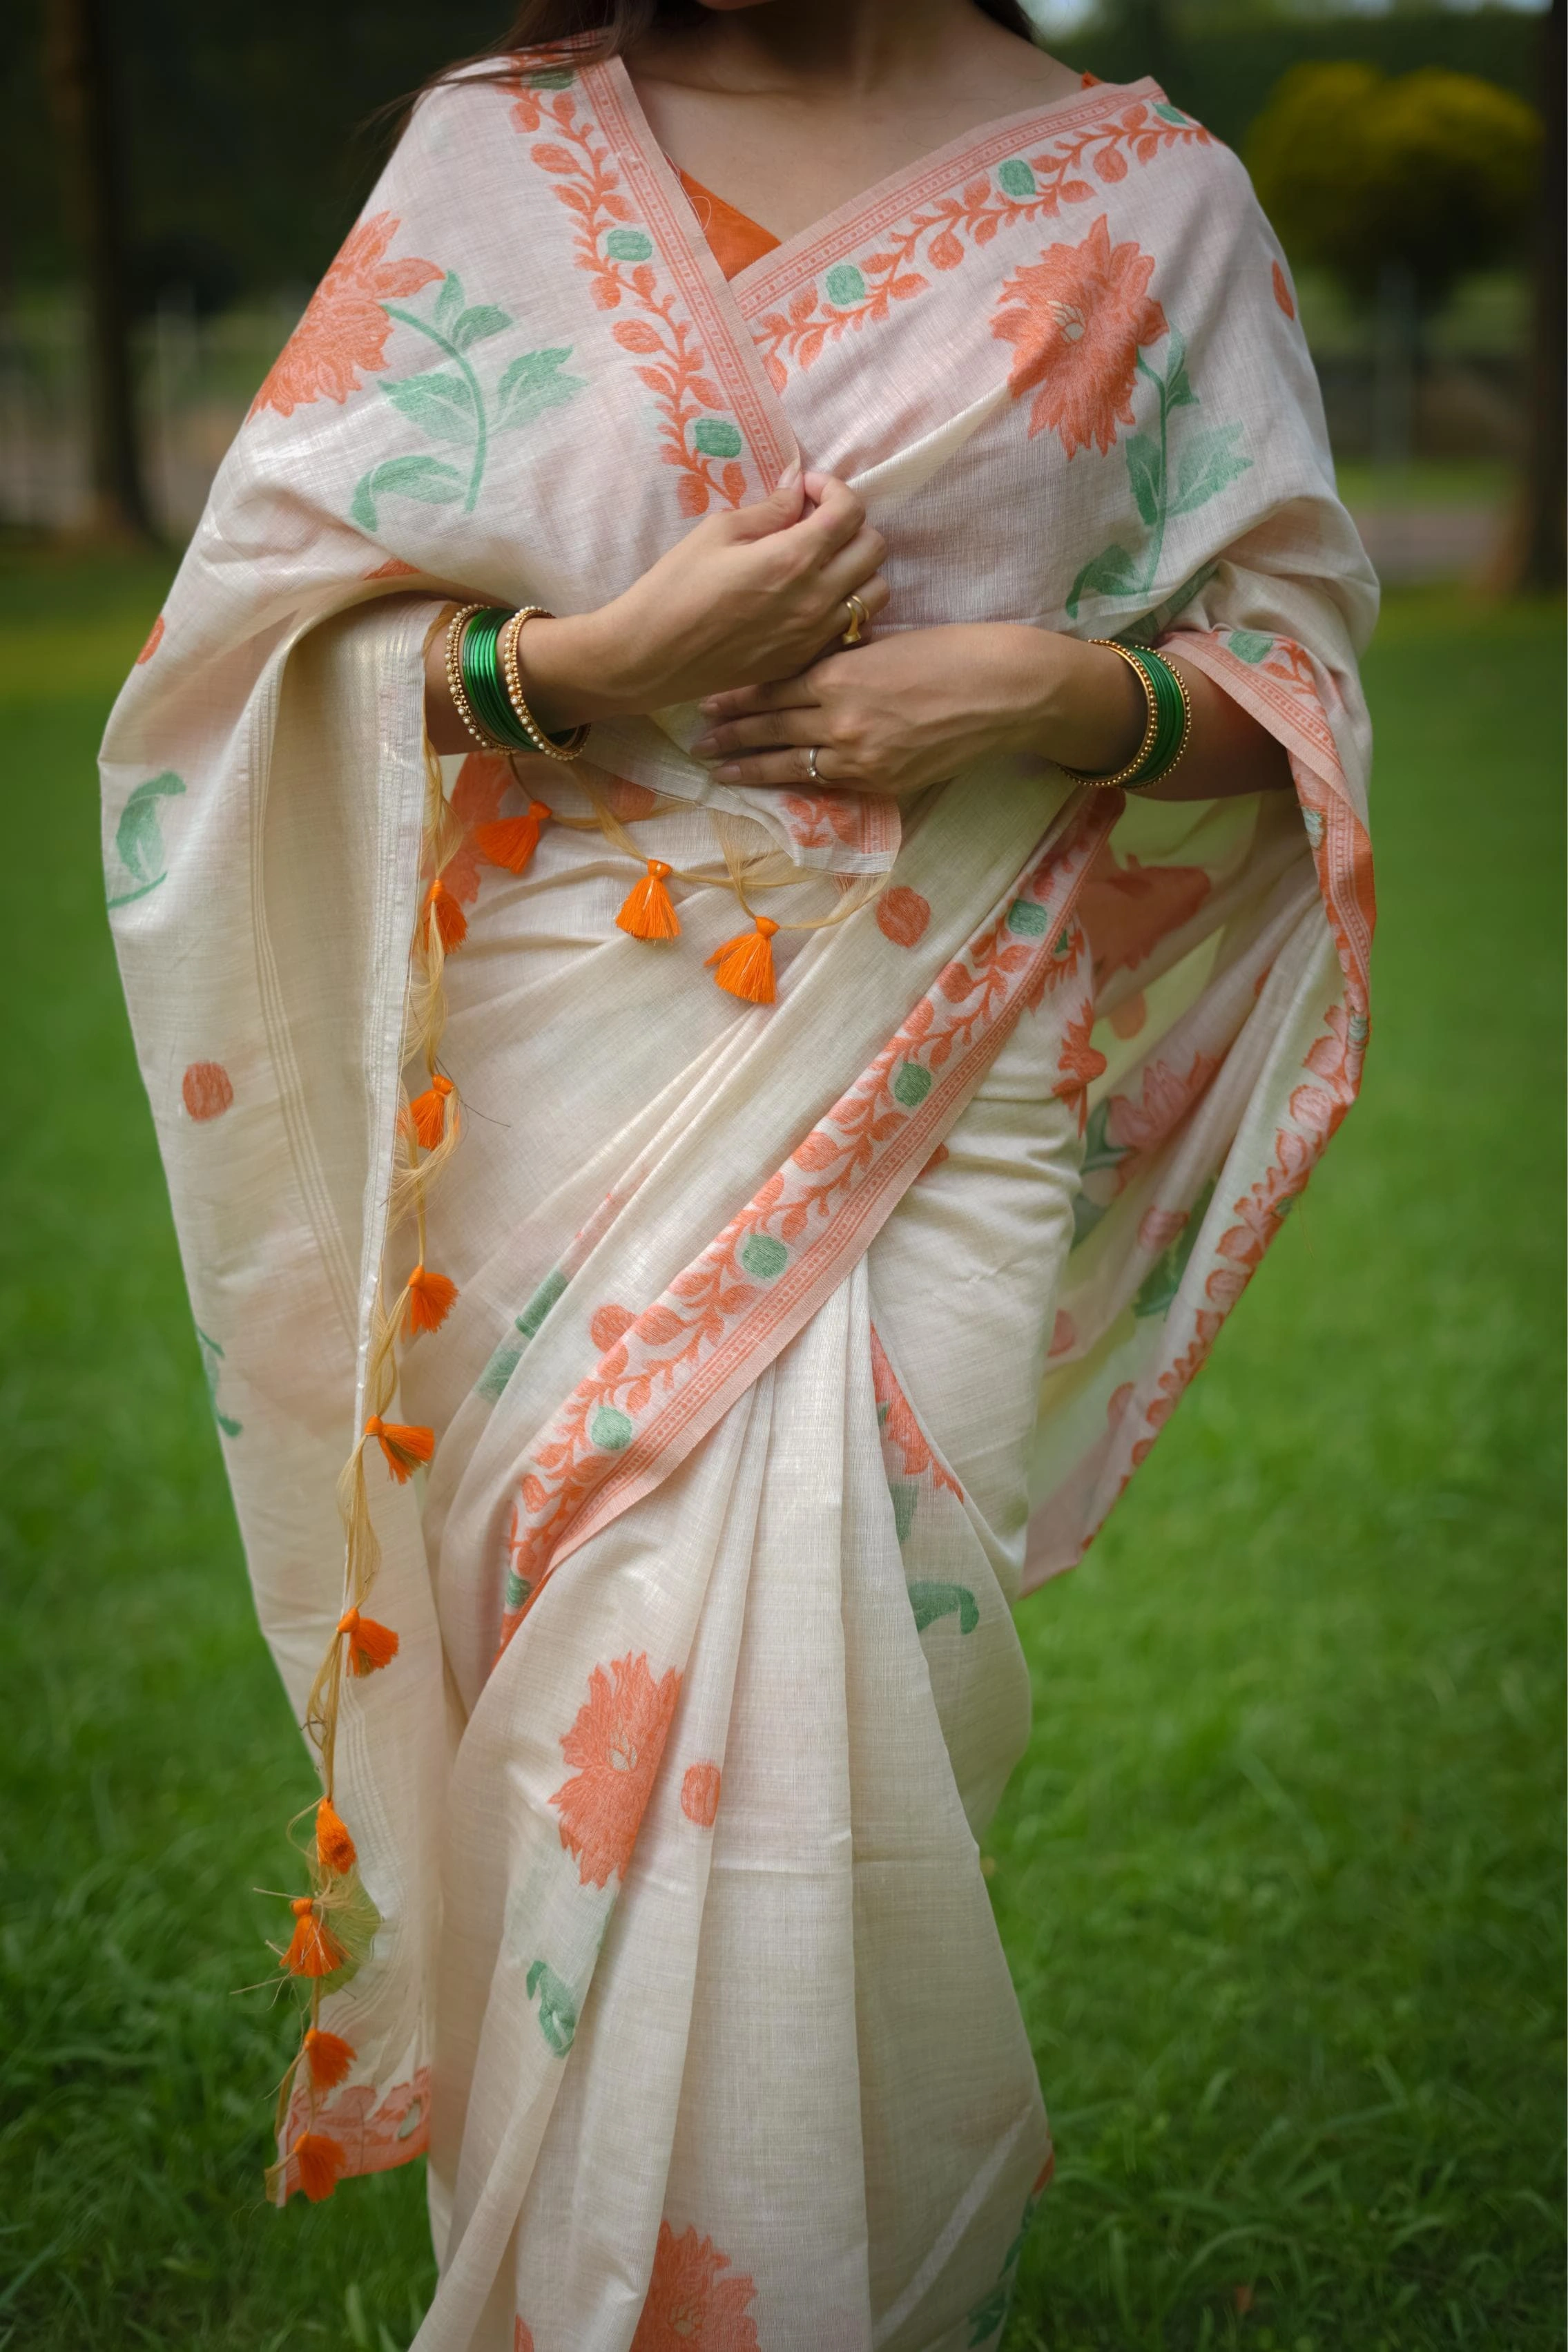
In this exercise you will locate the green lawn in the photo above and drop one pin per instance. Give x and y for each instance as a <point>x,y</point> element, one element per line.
<point>1279,1878</point>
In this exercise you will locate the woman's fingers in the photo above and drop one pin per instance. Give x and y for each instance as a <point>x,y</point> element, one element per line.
<point>761,731</point>
<point>792,767</point>
<point>837,516</point>
<point>776,693</point>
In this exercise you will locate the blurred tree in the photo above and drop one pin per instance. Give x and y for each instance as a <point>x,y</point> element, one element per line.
<point>1540,559</point>
<point>88,121</point>
<point>1431,172</point>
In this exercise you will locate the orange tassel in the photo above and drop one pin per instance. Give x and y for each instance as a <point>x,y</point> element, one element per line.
<point>328,2057</point>
<point>450,919</point>
<point>313,1949</point>
<point>405,1446</point>
<point>431,1298</point>
<point>335,1848</point>
<point>649,912</point>
<point>511,841</point>
<point>745,964</point>
<point>320,2162</point>
<point>371,1645</point>
<point>428,1112</point>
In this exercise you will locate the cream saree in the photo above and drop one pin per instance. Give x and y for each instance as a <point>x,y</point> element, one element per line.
<point>790,1343</point>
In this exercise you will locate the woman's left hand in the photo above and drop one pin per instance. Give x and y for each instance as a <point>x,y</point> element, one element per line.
<point>915,707</point>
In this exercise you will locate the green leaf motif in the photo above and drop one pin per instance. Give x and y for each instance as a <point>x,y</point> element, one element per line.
<point>1098,1151</point>
<point>1250,646</point>
<point>1168,113</point>
<point>1146,471</point>
<point>629,245</point>
<point>442,403</point>
<point>932,1601</point>
<point>138,836</point>
<point>426,478</point>
<point>540,1305</point>
<point>518,1589</point>
<point>475,325</point>
<point>449,301</point>
<point>715,436</point>
<point>558,2011</point>
<point>844,284</point>
<point>1160,1285</point>
<point>1208,463</point>
<point>212,1366</point>
<point>491,1383</point>
<point>904,1495</point>
<point>1026,920</point>
<point>611,1429</point>
<point>552,78</point>
<point>911,1084</point>
<point>764,1258</point>
<point>1015,178</point>
<point>1179,392</point>
<point>1112,572</point>
<point>533,383</point>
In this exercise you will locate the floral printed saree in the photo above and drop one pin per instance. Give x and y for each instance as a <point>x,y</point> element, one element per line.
<point>713,1378</point>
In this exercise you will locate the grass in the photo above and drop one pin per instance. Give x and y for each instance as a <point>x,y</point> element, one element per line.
<point>1280,1876</point>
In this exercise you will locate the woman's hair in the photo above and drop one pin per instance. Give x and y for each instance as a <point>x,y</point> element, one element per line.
<point>616,24</point>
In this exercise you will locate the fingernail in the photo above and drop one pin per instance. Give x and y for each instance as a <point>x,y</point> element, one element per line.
<point>708,705</point>
<point>729,774</point>
<point>790,475</point>
<point>704,744</point>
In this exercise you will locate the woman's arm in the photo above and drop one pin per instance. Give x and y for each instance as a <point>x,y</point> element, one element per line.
<point>910,708</point>
<point>754,595</point>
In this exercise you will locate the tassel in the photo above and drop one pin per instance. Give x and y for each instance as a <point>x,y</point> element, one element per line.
<point>313,1949</point>
<point>371,1645</point>
<point>320,2162</point>
<point>450,919</point>
<point>428,1112</point>
<point>649,912</point>
<point>328,2057</point>
<point>745,964</point>
<point>334,1847</point>
<point>405,1446</point>
<point>431,1298</point>
<point>511,841</point>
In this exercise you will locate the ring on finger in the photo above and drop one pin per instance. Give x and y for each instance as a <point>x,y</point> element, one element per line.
<point>856,609</point>
<point>811,764</point>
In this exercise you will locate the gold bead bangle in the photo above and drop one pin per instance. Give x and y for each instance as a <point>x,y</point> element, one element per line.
<point>1151,725</point>
<point>571,747</point>
<point>454,686</point>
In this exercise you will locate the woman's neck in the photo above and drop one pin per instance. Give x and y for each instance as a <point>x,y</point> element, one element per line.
<point>790,109</point>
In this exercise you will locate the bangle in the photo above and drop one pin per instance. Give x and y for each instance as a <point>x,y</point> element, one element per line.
<point>563,747</point>
<point>1166,729</point>
<point>479,662</point>
<point>454,685</point>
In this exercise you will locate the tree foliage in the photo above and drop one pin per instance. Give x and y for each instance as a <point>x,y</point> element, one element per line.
<point>1431,170</point>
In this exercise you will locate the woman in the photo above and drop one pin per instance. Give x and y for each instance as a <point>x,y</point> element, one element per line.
<point>728,1349</point>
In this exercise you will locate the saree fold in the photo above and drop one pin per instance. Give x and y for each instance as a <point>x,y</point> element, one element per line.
<point>790,1344</point>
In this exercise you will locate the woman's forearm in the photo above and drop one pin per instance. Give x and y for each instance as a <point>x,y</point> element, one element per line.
<point>1092,718</point>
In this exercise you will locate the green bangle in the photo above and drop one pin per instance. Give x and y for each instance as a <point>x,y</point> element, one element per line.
<point>479,662</point>
<point>1165,732</point>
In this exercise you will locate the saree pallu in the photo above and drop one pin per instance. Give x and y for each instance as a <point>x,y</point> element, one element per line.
<point>790,1343</point>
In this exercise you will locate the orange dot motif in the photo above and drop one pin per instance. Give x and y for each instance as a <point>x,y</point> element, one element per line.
<point>902,914</point>
<point>206,1089</point>
<point>699,1794</point>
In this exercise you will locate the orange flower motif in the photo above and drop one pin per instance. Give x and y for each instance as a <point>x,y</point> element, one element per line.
<point>689,2308</point>
<point>614,1746</point>
<point>344,327</point>
<point>1083,314</point>
<point>699,1794</point>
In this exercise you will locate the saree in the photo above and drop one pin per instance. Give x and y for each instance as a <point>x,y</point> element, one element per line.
<point>712,1378</point>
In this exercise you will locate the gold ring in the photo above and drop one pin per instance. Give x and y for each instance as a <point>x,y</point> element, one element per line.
<point>859,616</point>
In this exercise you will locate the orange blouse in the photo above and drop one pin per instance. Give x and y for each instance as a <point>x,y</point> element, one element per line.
<point>734,240</point>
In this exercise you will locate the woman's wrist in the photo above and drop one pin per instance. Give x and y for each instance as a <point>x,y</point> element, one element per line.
<point>1089,711</point>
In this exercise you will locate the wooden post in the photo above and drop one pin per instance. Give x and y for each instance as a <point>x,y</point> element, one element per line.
<point>88,119</point>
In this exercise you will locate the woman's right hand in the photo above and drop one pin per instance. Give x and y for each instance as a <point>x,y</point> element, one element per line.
<point>745,597</point>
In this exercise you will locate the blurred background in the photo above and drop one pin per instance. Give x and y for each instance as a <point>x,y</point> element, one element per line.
<point>1280,1878</point>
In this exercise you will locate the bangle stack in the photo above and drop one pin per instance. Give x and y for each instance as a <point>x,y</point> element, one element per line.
<point>486,684</point>
<point>1166,729</point>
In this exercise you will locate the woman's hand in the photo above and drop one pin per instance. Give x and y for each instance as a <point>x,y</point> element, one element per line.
<point>749,596</point>
<point>913,708</point>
